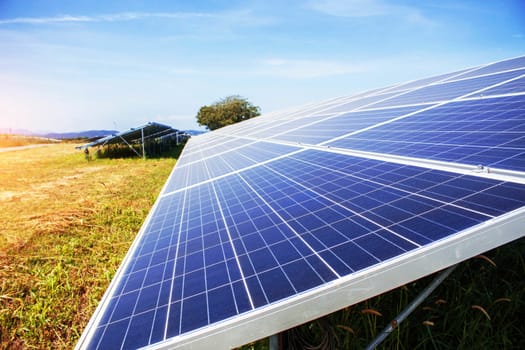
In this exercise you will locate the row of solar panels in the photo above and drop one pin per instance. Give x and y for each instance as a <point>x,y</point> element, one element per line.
<point>150,130</point>
<point>278,220</point>
<point>486,131</point>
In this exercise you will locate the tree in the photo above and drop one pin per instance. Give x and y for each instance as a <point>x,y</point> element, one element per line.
<point>229,110</point>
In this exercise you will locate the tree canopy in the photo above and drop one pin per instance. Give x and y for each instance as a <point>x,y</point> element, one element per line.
<point>227,111</point>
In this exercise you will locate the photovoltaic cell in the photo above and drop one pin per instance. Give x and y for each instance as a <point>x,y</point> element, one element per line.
<point>484,131</point>
<point>448,90</point>
<point>335,126</point>
<point>274,131</point>
<point>214,145</point>
<point>361,103</point>
<point>271,232</point>
<point>515,86</point>
<point>515,63</point>
<point>431,80</point>
<point>277,220</point>
<point>224,163</point>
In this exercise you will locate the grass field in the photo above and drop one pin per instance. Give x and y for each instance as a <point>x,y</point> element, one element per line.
<point>66,224</point>
<point>7,140</point>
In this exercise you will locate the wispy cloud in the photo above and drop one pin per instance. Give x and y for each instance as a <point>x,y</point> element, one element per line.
<point>368,8</point>
<point>115,17</point>
<point>350,8</point>
<point>45,20</point>
<point>304,69</point>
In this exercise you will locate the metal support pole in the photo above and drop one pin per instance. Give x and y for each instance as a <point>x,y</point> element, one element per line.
<point>143,147</point>
<point>131,147</point>
<point>274,342</point>
<point>411,307</point>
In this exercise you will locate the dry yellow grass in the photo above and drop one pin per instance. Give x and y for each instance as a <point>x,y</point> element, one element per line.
<point>65,224</point>
<point>8,140</point>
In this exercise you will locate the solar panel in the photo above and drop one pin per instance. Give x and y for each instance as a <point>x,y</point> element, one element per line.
<point>448,90</point>
<point>269,223</point>
<point>515,86</point>
<point>487,131</point>
<point>329,127</point>
<point>134,135</point>
<point>501,66</point>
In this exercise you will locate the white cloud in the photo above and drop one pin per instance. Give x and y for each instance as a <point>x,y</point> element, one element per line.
<point>368,8</point>
<point>124,16</point>
<point>246,18</point>
<point>46,20</point>
<point>350,8</point>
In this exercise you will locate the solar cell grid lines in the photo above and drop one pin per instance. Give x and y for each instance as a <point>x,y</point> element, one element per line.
<point>426,81</point>
<point>515,86</point>
<point>482,131</point>
<point>506,65</point>
<point>327,128</point>
<point>269,223</point>
<point>449,89</point>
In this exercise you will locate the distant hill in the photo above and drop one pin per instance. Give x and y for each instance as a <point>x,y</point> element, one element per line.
<point>60,135</point>
<point>89,134</point>
<point>80,134</point>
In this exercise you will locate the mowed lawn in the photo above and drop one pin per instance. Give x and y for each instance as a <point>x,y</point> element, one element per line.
<point>65,225</point>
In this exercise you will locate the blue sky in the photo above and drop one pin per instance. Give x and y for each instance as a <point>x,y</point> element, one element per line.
<point>75,65</point>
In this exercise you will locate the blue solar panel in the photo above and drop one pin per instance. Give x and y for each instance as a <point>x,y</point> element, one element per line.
<point>334,126</point>
<point>213,145</point>
<point>275,129</point>
<point>228,161</point>
<point>515,86</point>
<point>515,63</point>
<point>268,233</point>
<point>448,90</point>
<point>431,80</point>
<point>361,103</point>
<point>252,236</point>
<point>484,131</point>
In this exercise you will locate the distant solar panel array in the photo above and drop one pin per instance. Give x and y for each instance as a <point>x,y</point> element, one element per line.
<point>151,130</point>
<point>269,223</point>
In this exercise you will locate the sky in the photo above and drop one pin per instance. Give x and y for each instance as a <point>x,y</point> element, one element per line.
<point>80,65</point>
